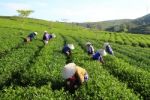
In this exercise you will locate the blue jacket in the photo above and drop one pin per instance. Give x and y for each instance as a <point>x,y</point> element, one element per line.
<point>97,56</point>
<point>31,36</point>
<point>66,49</point>
<point>50,36</point>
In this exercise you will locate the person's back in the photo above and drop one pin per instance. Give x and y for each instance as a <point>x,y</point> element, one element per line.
<point>109,49</point>
<point>90,49</point>
<point>98,56</point>
<point>46,36</point>
<point>31,35</point>
<point>74,75</point>
<point>65,49</point>
<point>81,74</point>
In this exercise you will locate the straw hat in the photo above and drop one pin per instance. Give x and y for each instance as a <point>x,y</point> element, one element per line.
<point>45,31</point>
<point>53,35</point>
<point>102,52</point>
<point>35,33</point>
<point>88,43</point>
<point>69,70</point>
<point>105,44</point>
<point>71,46</point>
<point>46,42</point>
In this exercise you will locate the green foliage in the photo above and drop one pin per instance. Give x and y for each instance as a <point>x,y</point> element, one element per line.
<point>24,13</point>
<point>33,70</point>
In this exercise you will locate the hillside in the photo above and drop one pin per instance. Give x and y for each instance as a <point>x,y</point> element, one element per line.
<point>104,24</point>
<point>139,25</point>
<point>33,71</point>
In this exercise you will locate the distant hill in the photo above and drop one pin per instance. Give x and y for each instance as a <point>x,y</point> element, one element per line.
<point>104,24</point>
<point>139,25</point>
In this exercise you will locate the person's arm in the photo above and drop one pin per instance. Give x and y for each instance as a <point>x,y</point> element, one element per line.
<point>92,49</point>
<point>68,51</point>
<point>101,60</point>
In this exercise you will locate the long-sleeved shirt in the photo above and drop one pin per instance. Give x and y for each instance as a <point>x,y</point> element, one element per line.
<point>46,36</point>
<point>31,36</point>
<point>80,73</point>
<point>90,49</point>
<point>97,56</point>
<point>66,49</point>
<point>109,49</point>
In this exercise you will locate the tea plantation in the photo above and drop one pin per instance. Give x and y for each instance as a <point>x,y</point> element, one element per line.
<point>33,71</point>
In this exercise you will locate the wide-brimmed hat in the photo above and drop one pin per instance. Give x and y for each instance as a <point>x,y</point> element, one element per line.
<point>69,70</point>
<point>105,44</point>
<point>53,35</point>
<point>102,52</point>
<point>35,33</point>
<point>45,31</point>
<point>71,46</point>
<point>88,43</point>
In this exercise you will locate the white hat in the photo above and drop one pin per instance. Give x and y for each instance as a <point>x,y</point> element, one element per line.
<point>45,31</point>
<point>71,46</point>
<point>53,35</point>
<point>102,52</point>
<point>105,44</point>
<point>88,43</point>
<point>36,33</point>
<point>69,70</point>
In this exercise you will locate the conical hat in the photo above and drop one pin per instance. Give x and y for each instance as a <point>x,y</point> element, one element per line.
<point>36,33</point>
<point>69,70</point>
<point>71,46</point>
<point>88,43</point>
<point>105,44</point>
<point>102,52</point>
<point>45,31</point>
<point>53,35</point>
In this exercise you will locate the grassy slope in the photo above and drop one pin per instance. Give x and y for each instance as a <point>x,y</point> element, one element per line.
<point>12,26</point>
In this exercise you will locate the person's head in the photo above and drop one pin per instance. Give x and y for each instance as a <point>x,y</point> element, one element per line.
<point>88,44</point>
<point>35,33</point>
<point>45,31</point>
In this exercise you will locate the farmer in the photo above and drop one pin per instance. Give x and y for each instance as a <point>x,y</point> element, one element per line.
<point>74,76</point>
<point>31,36</point>
<point>99,55</point>
<point>108,48</point>
<point>90,48</point>
<point>67,49</point>
<point>47,37</point>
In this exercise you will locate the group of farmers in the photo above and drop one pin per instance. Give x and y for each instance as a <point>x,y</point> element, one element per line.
<point>73,74</point>
<point>46,37</point>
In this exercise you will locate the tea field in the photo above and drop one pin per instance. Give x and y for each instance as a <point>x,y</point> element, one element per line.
<point>33,71</point>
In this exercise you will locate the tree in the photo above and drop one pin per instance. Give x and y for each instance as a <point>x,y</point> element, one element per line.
<point>124,28</point>
<point>24,13</point>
